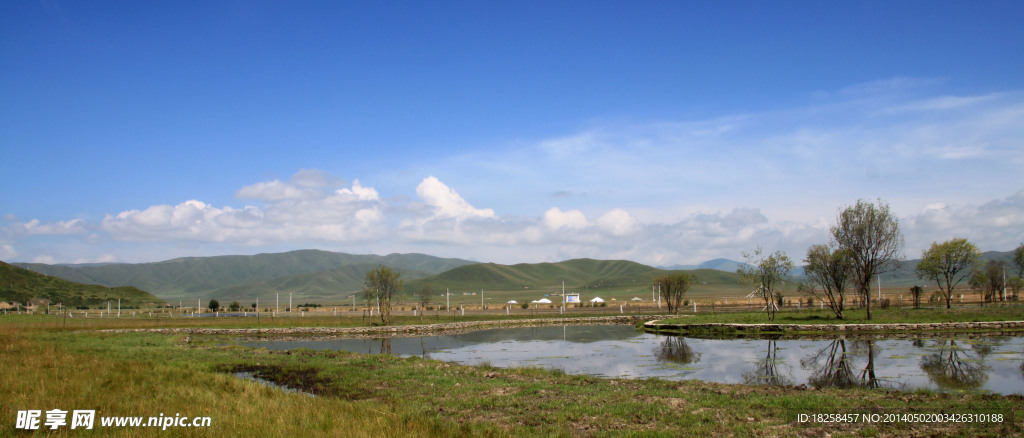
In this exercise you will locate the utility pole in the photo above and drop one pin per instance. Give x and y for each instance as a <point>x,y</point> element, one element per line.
<point>1004,283</point>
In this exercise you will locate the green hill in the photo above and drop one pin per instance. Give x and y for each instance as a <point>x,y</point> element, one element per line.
<point>576,274</point>
<point>330,285</point>
<point>20,285</point>
<point>226,276</point>
<point>606,278</point>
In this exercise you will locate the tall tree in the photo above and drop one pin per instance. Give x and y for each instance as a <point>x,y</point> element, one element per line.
<point>383,285</point>
<point>948,263</point>
<point>830,269</point>
<point>915,294</point>
<point>673,287</point>
<point>995,272</point>
<point>425,293</point>
<point>979,284</point>
<point>1018,260</point>
<point>765,273</point>
<point>871,234</point>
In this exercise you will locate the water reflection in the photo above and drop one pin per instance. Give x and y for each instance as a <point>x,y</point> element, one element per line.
<point>953,367</point>
<point>766,371</point>
<point>835,366</point>
<point>958,362</point>
<point>675,349</point>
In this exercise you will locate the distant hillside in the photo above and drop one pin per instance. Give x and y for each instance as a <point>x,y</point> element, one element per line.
<point>724,265</point>
<point>575,273</point>
<point>587,274</point>
<point>206,277</point>
<point>331,285</point>
<point>20,285</point>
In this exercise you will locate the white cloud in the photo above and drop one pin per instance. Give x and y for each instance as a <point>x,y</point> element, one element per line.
<point>44,259</point>
<point>994,225</point>
<point>446,203</point>
<point>304,185</point>
<point>618,222</point>
<point>7,251</point>
<point>106,258</point>
<point>275,191</point>
<point>942,103</point>
<point>572,219</point>
<point>342,215</point>
<point>35,227</point>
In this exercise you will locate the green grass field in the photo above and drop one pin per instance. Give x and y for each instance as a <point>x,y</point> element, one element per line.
<point>47,365</point>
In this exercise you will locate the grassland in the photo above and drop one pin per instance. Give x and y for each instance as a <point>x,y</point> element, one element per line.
<point>47,365</point>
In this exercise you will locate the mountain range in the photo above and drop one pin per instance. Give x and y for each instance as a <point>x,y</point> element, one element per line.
<point>322,276</point>
<point>312,274</point>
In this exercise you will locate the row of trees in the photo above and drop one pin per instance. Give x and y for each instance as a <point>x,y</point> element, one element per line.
<point>865,242</point>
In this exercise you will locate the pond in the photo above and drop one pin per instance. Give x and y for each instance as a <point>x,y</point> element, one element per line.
<point>953,363</point>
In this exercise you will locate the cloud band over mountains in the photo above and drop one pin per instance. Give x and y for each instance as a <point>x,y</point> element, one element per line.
<point>440,221</point>
<point>658,193</point>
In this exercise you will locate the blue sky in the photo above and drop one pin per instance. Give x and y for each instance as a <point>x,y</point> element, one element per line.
<point>661,132</point>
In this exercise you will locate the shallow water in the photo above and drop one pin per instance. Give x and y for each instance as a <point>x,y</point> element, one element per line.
<point>994,364</point>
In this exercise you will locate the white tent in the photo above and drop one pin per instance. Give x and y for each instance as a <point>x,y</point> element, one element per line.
<point>542,301</point>
<point>636,299</point>
<point>512,302</point>
<point>597,300</point>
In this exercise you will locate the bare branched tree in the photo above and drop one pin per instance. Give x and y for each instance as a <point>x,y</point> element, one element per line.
<point>765,273</point>
<point>871,234</point>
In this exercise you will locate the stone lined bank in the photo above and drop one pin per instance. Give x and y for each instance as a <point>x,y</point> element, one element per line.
<point>655,326</point>
<point>421,328</point>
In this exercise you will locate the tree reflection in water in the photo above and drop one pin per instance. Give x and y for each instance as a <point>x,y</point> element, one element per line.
<point>952,367</point>
<point>833,366</point>
<point>675,349</point>
<point>385,346</point>
<point>766,372</point>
